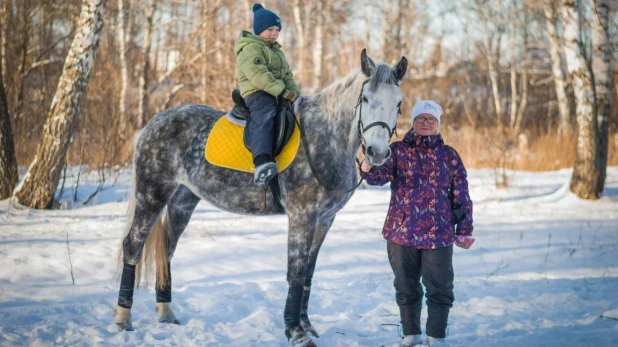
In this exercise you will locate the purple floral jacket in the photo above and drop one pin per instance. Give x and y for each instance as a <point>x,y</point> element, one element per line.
<point>419,214</point>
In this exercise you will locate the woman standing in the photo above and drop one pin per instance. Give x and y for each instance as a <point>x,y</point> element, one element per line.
<point>428,185</point>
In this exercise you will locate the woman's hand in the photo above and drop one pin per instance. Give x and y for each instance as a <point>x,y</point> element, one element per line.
<point>365,166</point>
<point>464,242</point>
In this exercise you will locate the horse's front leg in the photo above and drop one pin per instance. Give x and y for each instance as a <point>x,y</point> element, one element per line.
<point>320,235</point>
<point>301,229</point>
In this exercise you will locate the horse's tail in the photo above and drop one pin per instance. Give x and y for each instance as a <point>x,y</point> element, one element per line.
<point>155,247</point>
<point>155,251</point>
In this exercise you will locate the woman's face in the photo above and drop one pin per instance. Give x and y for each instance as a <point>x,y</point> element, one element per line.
<point>271,34</point>
<point>425,124</point>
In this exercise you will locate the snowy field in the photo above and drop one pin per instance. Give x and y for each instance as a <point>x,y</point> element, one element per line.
<point>543,272</point>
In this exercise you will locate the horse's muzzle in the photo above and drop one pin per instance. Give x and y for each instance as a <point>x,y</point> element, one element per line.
<point>377,158</point>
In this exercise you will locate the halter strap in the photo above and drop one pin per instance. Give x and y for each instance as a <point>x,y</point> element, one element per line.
<point>360,126</point>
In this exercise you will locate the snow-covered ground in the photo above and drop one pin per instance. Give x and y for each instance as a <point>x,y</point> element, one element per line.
<point>543,272</point>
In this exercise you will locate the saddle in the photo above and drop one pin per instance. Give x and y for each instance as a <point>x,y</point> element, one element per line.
<point>284,121</point>
<point>226,145</point>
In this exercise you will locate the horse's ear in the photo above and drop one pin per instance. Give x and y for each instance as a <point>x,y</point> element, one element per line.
<point>367,65</point>
<point>400,69</point>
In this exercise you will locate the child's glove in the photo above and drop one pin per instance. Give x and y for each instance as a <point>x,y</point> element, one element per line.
<point>464,242</point>
<point>289,95</point>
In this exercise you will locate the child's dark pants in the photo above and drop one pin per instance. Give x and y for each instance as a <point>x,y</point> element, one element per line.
<point>435,267</point>
<point>259,131</point>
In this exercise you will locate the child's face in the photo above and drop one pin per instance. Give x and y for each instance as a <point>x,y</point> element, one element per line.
<point>271,34</point>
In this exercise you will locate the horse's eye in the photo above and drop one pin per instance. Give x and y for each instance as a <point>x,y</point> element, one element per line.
<point>365,99</point>
<point>399,104</point>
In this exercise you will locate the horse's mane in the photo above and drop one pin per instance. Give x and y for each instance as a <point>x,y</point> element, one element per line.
<point>382,74</point>
<point>344,92</point>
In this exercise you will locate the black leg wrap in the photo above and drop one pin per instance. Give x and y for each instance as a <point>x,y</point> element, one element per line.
<point>164,294</point>
<point>127,283</point>
<point>291,314</point>
<point>305,303</point>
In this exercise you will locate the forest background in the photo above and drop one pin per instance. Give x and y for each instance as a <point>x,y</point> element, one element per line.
<point>521,82</point>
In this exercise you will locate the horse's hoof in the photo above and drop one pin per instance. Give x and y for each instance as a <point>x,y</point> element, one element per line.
<point>166,315</point>
<point>171,320</point>
<point>311,331</point>
<point>297,337</point>
<point>122,319</point>
<point>306,324</point>
<point>126,326</point>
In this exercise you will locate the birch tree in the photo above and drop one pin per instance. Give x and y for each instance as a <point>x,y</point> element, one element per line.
<point>8,164</point>
<point>523,102</point>
<point>512,27</point>
<point>555,49</point>
<point>318,39</point>
<point>487,12</point>
<point>124,77</point>
<point>297,9</point>
<point>602,72</point>
<point>588,171</point>
<point>144,78</point>
<point>3,32</point>
<point>40,183</point>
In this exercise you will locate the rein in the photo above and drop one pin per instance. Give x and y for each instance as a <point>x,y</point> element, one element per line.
<point>361,130</point>
<point>303,138</point>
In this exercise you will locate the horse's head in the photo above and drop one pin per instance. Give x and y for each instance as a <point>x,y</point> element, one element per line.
<point>378,106</point>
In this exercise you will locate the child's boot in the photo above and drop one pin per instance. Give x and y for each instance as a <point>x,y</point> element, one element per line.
<point>264,173</point>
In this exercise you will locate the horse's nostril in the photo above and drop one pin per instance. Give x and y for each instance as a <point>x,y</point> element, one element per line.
<point>370,151</point>
<point>388,154</point>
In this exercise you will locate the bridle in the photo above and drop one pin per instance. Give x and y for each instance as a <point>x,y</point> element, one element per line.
<point>361,130</point>
<point>359,126</point>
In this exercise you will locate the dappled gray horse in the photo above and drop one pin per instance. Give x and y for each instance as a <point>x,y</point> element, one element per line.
<point>171,176</point>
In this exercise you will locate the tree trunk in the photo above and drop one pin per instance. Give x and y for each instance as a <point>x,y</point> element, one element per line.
<point>523,103</point>
<point>386,32</point>
<point>39,185</point>
<point>124,76</point>
<point>513,109</point>
<point>318,50</point>
<point>564,124</point>
<point>300,39</point>
<point>401,37</point>
<point>8,164</point>
<point>3,26</point>
<point>207,42</point>
<point>602,72</point>
<point>144,79</point>
<point>586,171</point>
<point>23,59</point>
<point>491,65</point>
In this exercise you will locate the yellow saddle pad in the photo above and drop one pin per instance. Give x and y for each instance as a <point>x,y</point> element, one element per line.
<point>225,148</point>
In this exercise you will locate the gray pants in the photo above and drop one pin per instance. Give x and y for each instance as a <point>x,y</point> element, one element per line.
<point>435,267</point>
<point>260,128</point>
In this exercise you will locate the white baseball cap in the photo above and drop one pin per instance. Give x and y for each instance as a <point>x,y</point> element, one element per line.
<point>426,106</point>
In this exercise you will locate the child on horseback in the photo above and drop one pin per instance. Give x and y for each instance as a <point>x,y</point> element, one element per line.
<point>264,79</point>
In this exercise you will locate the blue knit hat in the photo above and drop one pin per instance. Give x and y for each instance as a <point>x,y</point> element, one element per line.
<point>263,19</point>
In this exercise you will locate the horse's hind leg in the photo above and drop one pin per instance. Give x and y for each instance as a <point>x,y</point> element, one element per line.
<point>179,210</point>
<point>149,202</point>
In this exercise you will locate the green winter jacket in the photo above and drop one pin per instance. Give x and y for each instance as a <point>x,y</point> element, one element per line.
<point>261,65</point>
